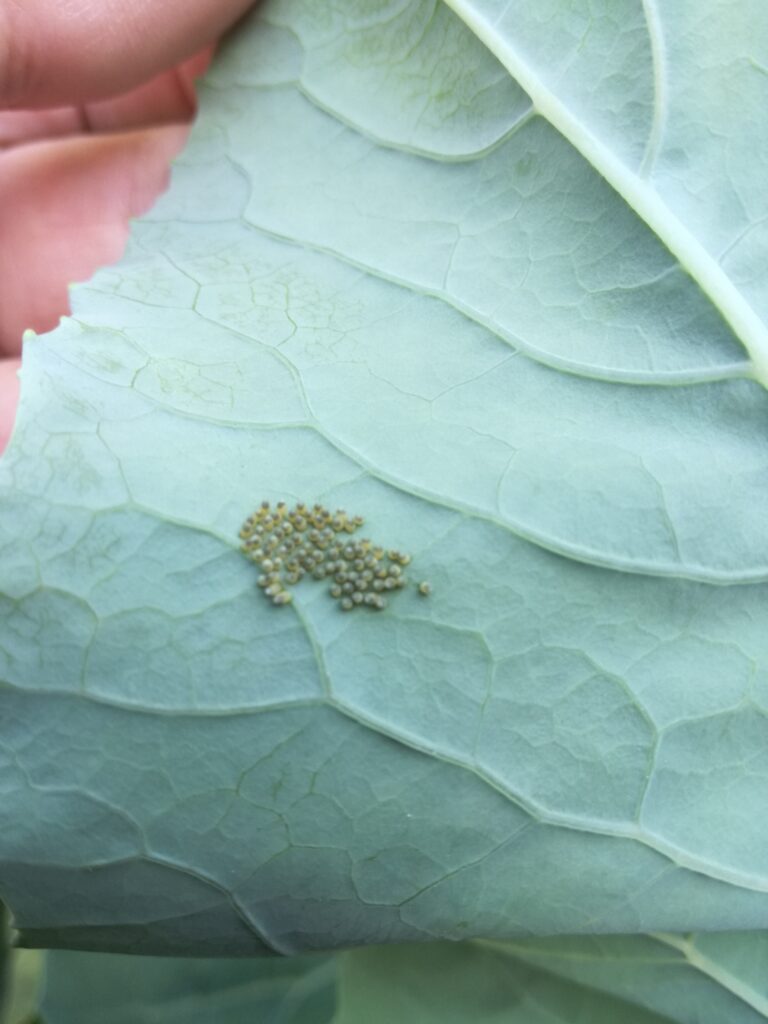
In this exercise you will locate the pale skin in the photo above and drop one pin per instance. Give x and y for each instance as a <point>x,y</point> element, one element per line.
<point>95,100</point>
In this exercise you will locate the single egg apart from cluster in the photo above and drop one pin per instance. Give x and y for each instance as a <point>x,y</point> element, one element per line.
<point>289,544</point>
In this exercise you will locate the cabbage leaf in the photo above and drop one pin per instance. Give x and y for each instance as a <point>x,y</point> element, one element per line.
<point>491,276</point>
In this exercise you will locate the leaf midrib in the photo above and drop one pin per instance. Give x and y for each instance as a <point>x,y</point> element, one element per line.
<point>702,267</point>
<point>717,972</point>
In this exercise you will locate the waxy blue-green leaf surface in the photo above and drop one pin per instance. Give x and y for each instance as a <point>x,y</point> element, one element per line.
<point>491,279</point>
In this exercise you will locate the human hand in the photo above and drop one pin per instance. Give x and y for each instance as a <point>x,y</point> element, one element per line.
<point>100,93</point>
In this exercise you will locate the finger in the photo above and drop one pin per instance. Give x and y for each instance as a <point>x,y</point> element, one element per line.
<point>9,397</point>
<point>18,126</point>
<point>80,50</point>
<point>66,206</point>
<point>167,98</point>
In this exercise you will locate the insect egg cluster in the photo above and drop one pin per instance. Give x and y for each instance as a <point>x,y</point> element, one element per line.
<point>289,544</point>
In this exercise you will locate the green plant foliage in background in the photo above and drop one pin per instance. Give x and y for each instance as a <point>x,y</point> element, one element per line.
<point>21,973</point>
<point>490,277</point>
<point>632,979</point>
<point>606,980</point>
<point>95,988</point>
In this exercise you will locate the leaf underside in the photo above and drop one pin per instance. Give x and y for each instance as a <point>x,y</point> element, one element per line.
<point>489,276</point>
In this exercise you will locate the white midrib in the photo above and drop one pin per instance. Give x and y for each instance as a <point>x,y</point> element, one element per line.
<point>700,265</point>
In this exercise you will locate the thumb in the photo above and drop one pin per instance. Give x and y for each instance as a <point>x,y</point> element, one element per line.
<point>52,54</point>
